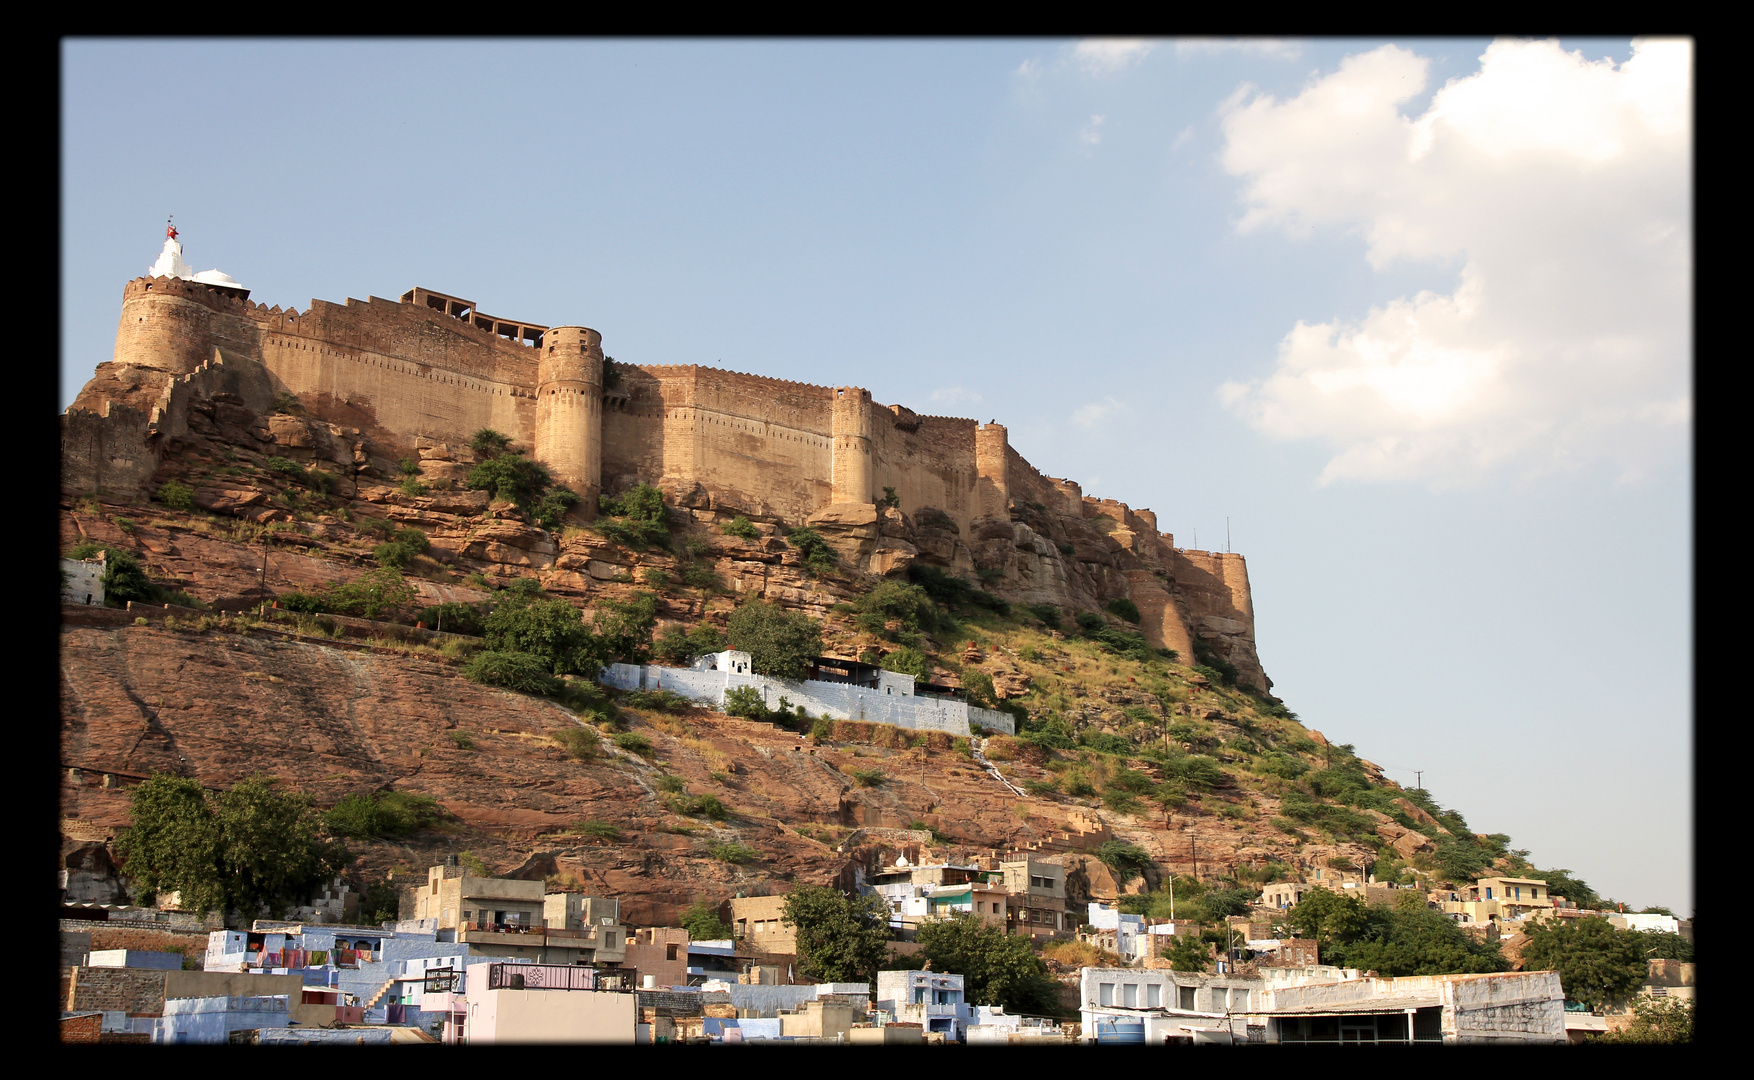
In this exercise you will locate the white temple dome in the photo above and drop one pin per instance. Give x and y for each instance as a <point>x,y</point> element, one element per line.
<point>170,264</point>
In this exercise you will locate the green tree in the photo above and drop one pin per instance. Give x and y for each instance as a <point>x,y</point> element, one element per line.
<point>1187,953</point>
<point>839,940</point>
<point>1562,883</point>
<point>1328,916</point>
<point>997,968</point>
<point>173,844</point>
<point>1659,1020</point>
<point>780,643</point>
<point>1598,964</point>
<point>977,687</point>
<point>1223,903</point>
<point>1661,945</point>
<point>624,629</point>
<point>1416,942</point>
<point>906,662</point>
<point>552,630</point>
<point>242,849</point>
<point>379,903</point>
<point>272,850</point>
<point>678,646</point>
<point>454,618</point>
<point>704,924</point>
<point>124,578</point>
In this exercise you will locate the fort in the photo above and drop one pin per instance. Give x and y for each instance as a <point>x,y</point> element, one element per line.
<point>429,368</point>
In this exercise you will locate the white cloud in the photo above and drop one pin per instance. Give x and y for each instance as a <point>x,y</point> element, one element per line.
<point>1105,56</point>
<point>954,395</point>
<point>1273,47</point>
<point>1090,136</point>
<point>1561,186</point>
<point>1096,412</point>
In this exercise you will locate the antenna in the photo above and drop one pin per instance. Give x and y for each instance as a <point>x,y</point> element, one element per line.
<point>1226,534</point>
<point>1196,539</point>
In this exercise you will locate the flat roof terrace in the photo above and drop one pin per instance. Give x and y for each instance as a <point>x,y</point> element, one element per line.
<point>513,330</point>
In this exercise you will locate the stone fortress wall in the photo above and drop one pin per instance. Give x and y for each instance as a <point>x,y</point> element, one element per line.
<point>432,366</point>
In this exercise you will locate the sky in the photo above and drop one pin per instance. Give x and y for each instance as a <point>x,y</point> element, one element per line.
<point>1407,323</point>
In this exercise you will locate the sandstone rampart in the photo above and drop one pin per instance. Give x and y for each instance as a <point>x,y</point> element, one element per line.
<point>400,375</point>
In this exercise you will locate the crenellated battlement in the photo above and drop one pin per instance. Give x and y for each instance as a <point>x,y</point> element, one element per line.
<point>432,366</point>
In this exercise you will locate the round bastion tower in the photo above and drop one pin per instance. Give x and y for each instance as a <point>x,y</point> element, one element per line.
<point>850,428</point>
<point>569,411</point>
<point>173,317</point>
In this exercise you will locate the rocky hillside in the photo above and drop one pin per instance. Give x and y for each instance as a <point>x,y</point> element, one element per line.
<point>1196,768</point>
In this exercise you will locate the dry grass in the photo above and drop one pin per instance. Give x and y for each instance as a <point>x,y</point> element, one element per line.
<point>716,760</point>
<point>1079,954</point>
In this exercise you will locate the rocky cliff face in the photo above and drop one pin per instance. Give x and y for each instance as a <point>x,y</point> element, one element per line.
<point>337,717</point>
<point>1192,602</point>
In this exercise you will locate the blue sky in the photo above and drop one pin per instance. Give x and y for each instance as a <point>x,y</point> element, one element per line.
<point>1413,316</point>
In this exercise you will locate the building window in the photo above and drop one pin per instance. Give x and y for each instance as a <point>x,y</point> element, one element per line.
<point>670,952</point>
<point>1187,998</point>
<point>1130,995</point>
<point>1105,993</point>
<point>1153,995</point>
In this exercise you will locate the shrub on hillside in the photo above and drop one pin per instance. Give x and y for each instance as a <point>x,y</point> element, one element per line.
<point>517,671</point>
<point>381,814</point>
<point>453,618</point>
<point>1123,608</point>
<point>635,519</point>
<point>818,556</point>
<point>740,527</point>
<point>177,495</point>
<point>745,701</point>
<point>367,597</point>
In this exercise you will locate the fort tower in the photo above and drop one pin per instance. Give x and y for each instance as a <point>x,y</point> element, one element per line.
<point>992,448</point>
<point>569,410</point>
<point>850,432</point>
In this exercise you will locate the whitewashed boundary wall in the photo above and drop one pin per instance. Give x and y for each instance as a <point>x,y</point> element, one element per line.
<point>840,701</point>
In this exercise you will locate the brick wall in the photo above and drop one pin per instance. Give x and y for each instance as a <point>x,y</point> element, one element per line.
<point>191,943</point>
<point>135,991</point>
<point>82,1029</point>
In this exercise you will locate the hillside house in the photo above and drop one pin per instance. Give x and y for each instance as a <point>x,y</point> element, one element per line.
<point>534,1003</point>
<point>591,924</point>
<point>933,999</point>
<point>1036,904</point>
<point>759,924</point>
